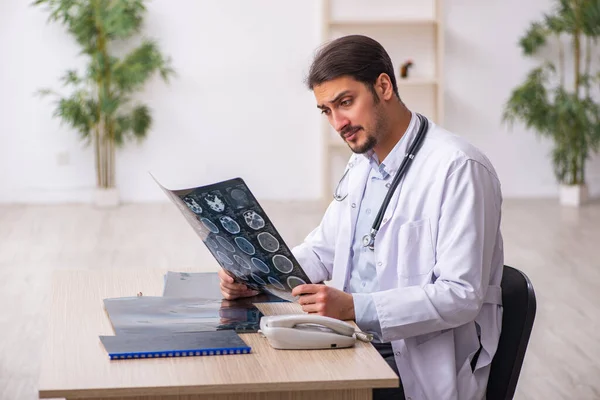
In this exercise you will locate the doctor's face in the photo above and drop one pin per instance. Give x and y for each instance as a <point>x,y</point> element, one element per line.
<point>353,111</point>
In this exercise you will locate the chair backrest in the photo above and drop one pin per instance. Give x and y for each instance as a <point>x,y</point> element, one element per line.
<point>518,299</point>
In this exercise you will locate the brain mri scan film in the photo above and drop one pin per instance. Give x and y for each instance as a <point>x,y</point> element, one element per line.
<point>242,262</point>
<point>239,197</point>
<point>192,204</point>
<point>223,257</point>
<point>208,224</point>
<point>229,224</point>
<point>283,264</point>
<point>245,245</point>
<point>211,243</point>
<point>268,242</point>
<point>238,233</point>
<point>225,244</point>
<point>276,283</point>
<point>214,202</point>
<point>254,220</point>
<point>261,266</point>
<point>258,279</point>
<point>294,281</point>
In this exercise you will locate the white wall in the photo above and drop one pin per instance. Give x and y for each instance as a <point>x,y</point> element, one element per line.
<point>238,106</point>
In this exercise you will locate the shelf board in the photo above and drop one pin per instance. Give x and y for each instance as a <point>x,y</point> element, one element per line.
<point>373,22</point>
<point>416,81</point>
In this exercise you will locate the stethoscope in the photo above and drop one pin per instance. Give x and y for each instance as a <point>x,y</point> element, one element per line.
<point>369,239</point>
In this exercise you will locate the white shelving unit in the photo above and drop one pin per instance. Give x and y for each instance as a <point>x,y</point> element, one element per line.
<point>408,30</point>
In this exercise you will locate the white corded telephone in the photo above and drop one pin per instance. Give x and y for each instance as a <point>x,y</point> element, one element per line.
<point>301,331</point>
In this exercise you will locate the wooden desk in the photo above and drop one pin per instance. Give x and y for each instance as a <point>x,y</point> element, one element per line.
<point>76,366</point>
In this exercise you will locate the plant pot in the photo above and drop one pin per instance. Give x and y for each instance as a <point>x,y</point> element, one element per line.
<point>106,198</point>
<point>573,195</point>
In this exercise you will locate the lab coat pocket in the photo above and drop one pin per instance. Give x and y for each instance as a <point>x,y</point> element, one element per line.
<point>415,252</point>
<point>434,358</point>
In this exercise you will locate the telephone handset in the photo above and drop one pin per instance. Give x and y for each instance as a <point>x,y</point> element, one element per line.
<point>301,331</point>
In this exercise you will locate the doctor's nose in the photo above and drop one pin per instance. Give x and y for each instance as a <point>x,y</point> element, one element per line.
<point>339,121</point>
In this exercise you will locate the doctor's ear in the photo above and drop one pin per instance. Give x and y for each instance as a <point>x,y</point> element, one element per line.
<point>383,86</point>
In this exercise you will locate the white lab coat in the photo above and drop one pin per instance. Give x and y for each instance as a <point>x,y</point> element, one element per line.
<point>439,258</point>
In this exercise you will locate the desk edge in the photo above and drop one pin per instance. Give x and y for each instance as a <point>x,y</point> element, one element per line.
<point>218,389</point>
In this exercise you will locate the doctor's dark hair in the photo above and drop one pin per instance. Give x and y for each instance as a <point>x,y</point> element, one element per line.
<point>357,56</point>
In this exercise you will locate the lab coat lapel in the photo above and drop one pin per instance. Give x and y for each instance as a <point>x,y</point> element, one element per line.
<point>357,178</point>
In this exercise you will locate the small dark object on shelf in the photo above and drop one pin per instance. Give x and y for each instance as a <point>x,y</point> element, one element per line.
<point>404,68</point>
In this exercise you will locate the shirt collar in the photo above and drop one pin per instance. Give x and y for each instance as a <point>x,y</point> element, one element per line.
<point>391,163</point>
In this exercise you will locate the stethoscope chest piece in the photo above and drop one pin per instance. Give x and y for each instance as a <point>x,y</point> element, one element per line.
<point>369,241</point>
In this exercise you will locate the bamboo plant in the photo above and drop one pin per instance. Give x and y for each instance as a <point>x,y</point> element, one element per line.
<point>100,104</point>
<point>556,99</point>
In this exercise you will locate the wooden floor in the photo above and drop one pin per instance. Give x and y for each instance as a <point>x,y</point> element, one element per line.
<point>557,247</point>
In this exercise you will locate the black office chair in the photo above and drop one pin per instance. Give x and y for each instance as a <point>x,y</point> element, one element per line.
<point>518,299</point>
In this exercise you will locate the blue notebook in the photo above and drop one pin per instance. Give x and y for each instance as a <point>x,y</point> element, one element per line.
<point>122,347</point>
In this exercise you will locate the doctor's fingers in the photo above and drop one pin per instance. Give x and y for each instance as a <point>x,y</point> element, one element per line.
<point>235,290</point>
<point>307,289</point>
<point>306,299</point>
<point>228,283</point>
<point>224,276</point>
<point>314,308</point>
<point>233,287</point>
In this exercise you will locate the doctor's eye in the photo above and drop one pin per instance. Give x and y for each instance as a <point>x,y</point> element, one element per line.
<point>325,111</point>
<point>346,102</point>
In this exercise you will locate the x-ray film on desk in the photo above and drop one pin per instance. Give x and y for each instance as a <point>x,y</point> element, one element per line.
<point>158,315</point>
<point>240,236</point>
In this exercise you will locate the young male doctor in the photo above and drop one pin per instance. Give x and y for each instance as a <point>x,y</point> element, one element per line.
<point>428,287</point>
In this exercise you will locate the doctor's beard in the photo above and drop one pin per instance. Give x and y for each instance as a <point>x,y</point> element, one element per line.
<point>372,137</point>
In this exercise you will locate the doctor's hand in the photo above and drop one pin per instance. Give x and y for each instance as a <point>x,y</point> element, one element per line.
<point>325,300</point>
<point>231,290</point>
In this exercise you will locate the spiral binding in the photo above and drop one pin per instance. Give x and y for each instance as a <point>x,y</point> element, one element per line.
<point>187,353</point>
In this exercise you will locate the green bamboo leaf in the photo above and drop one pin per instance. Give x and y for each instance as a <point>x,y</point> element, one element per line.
<point>137,66</point>
<point>91,108</point>
<point>560,163</point>
<point>110,105</point>
<point>529,102</point>
<point>534,38</point>
<point>45,92</point>
<point>141,121</point>
<point>71,78</point>
<point>122,127</point>
<point>567,14</point>
<point>590,12</point>
<point>555,24</point>
<point>74,113</point>
<point>123,18</point>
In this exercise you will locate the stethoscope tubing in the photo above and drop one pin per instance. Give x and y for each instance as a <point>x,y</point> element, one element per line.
<point>408,158</point>
<point>369,239</point>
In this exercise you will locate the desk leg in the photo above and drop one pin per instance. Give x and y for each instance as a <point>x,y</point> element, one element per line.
<point>356,394</point>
